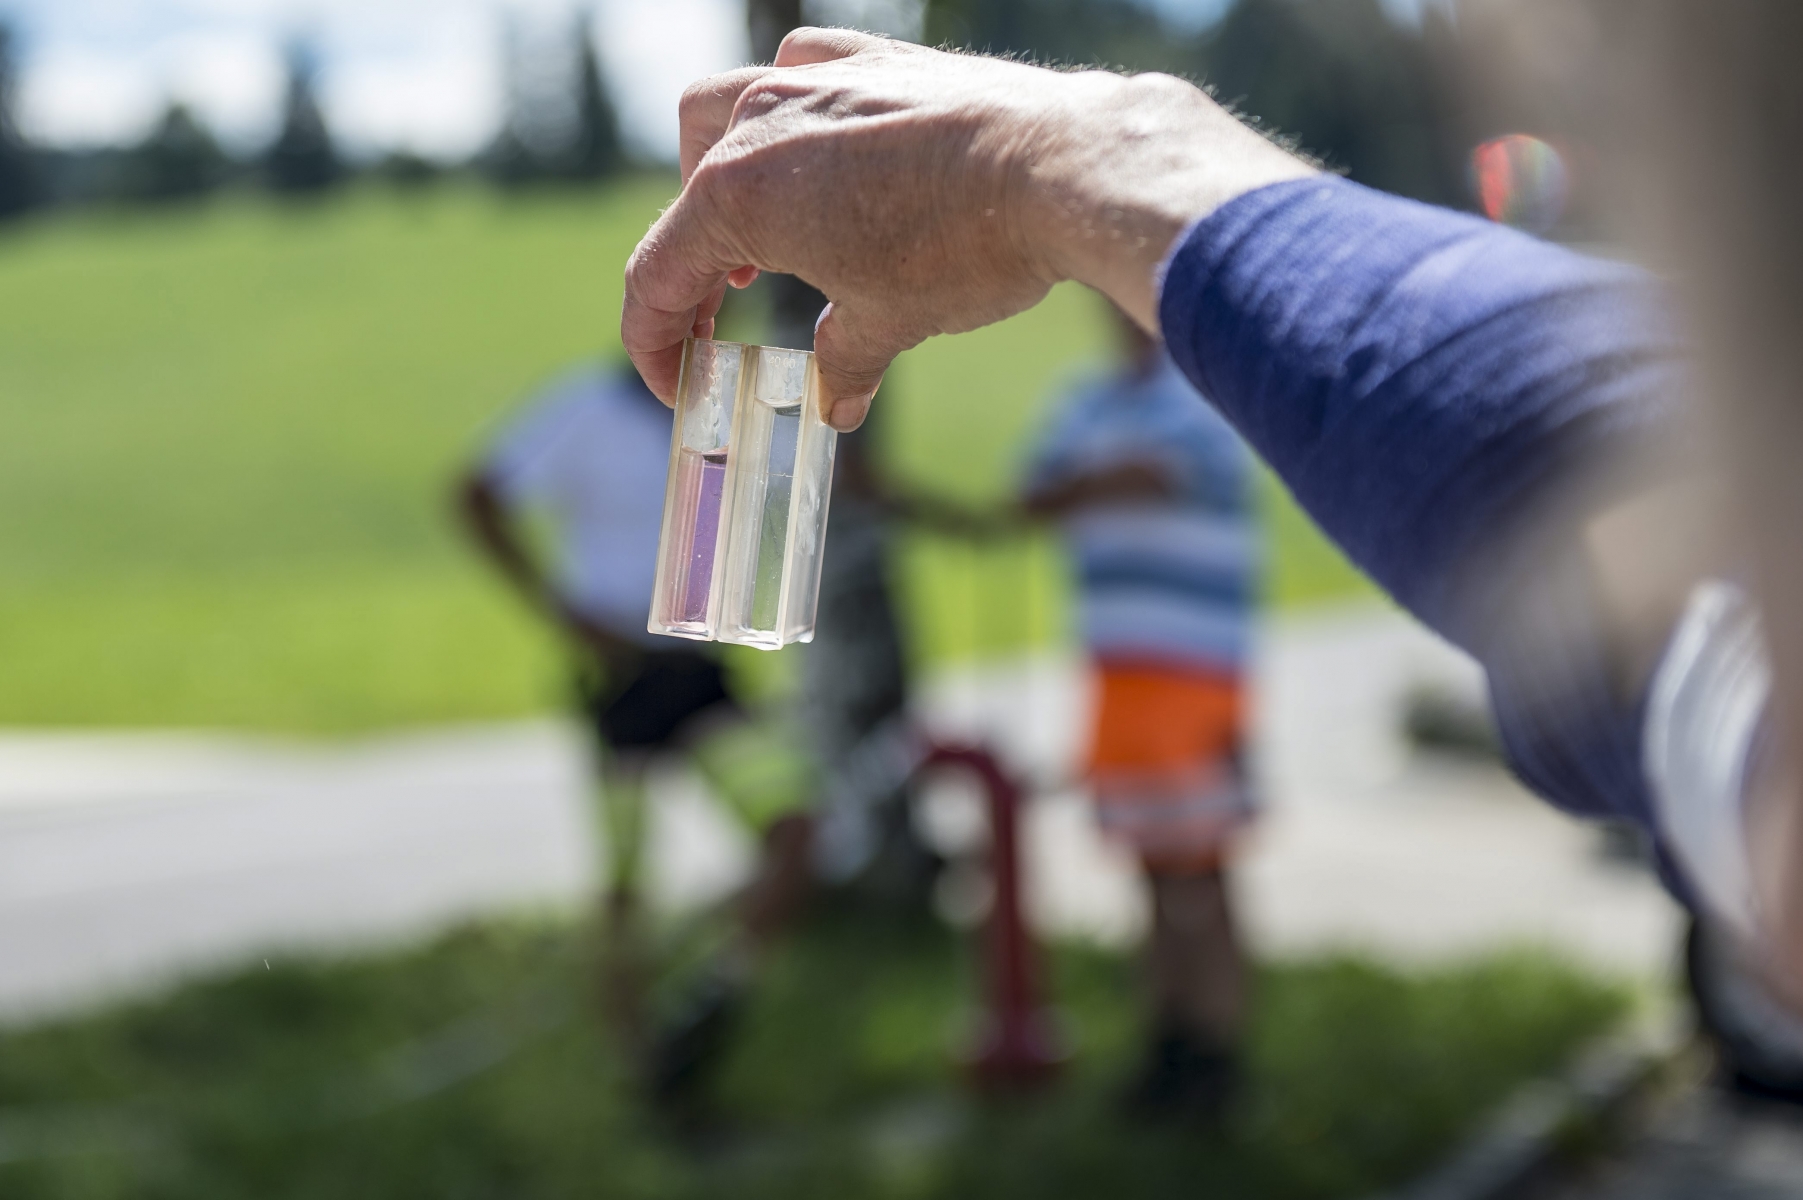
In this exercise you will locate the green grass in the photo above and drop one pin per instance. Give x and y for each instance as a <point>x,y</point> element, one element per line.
<point>225,435</point>
<point>472,1068</point>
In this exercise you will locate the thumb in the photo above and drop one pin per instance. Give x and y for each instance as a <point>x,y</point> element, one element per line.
<point>851,351</point>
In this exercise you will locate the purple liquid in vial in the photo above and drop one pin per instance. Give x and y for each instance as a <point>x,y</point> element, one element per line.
<point>710,487</point>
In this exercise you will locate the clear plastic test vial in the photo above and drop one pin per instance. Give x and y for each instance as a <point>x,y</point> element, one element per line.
<point>751,470</point>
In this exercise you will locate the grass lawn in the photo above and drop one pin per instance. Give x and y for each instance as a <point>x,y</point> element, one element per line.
<point>225,434</point>
<point>470,1068</point>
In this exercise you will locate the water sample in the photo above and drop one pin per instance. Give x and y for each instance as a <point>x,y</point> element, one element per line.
<point>702,484</point>
<point>689,547</point>
<point>773,531</point>
<point>745,511</point>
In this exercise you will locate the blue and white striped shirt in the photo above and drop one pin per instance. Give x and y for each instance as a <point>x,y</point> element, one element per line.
<point>1169,580</point>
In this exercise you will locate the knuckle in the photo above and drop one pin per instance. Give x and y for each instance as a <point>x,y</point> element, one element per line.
<point>637,287</point>
<point>697,102</point>
<point>635,275</point>
<point>649,285</point>
<point>795,39</point>
<point>714,174</point>
<point>1160,86</point>
<point>761,99</point>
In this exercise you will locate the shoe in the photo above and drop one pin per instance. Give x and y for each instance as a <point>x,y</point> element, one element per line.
<point>1185,1077</point>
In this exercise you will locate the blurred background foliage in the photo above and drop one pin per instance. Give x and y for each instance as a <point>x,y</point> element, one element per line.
<point>229,430</point>
<point>233,386</point>
<point>237,384</point>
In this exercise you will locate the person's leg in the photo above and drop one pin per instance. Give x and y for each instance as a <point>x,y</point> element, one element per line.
<point>1197,971</point>
<point>1198,980</point>
<point>754,769</point>
<point>757,769</point>
<point>1168,784</point>
<point>622,963</point>
<point>769,904</point>
<point>700,1028</point>
<point>634,712</point>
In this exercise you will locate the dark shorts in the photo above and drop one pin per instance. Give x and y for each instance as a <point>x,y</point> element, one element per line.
<point>648,708</point>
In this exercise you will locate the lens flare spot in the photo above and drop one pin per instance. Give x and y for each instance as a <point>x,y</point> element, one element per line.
<point>1520,181</point>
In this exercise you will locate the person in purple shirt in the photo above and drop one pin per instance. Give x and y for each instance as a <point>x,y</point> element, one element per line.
<point>1494,428</point>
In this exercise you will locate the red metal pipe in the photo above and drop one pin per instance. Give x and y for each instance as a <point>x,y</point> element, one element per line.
<point>1018,1046</point>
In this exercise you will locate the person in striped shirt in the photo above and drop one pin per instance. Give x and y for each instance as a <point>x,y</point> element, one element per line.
<point>1152,489</point>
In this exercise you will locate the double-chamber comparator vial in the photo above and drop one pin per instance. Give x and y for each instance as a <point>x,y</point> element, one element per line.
<point>751,469</point>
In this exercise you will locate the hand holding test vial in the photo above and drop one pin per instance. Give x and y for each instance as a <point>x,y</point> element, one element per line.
<point>751,470</point>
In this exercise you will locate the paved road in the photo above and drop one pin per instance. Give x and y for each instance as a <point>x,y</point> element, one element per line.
<point>126,860</point>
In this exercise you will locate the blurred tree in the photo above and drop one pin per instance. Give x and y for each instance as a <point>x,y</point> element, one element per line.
<point>1347,82</point>
<point>179,159</point>
<point>1339,76</point>
<point>903,19</point>
<point>560,121</point>
<point>509,159</point>
<point>769,21</point>
<point>405,169</point>
<point>20,178</point>
<point>1125,33</point>
<point>302,158</point>
<point>996,26</point>
<point>597,152</point>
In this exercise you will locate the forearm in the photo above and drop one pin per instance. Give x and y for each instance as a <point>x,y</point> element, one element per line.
<point>1127,483</point>
<point>485,518</point>
<point>1421,380</point>
<point>1427,384</point>
<point>1105,211</point>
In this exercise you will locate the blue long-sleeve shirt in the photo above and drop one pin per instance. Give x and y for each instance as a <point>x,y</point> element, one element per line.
<point>1425,382</point>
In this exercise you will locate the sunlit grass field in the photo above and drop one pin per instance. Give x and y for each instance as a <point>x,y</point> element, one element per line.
<point>226,433</point>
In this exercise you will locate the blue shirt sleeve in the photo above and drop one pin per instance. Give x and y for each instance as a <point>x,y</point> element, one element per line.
<point>1424,381</point>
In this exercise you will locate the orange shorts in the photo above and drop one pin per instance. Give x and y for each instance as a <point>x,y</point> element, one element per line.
<point>1165,762</point>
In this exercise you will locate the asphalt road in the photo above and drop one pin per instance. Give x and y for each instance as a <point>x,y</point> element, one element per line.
<point>127,860</point>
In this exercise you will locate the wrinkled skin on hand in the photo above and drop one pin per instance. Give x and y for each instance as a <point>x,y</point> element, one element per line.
<point>924,192</point>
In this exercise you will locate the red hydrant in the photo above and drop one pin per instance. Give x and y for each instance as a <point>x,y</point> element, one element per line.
<point>1018,1044</point>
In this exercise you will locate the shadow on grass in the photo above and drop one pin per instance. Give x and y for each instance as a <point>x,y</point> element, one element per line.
<point>472,1068</point>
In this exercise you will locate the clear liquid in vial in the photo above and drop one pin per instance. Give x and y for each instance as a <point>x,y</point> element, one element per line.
<point>701,481</point>
<point>773,532</point>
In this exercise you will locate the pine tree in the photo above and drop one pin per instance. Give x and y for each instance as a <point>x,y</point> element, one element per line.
<point>178,160</point>
<point>769,22</point>
<point>597,152</point>
<point>541,128</point>
<point>1347,82</point>
<point>20,183</point>
<point>302,158</point>
<point>508,160</point>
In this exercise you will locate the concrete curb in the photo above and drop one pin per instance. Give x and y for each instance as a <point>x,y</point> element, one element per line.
<point>1518,1145</point>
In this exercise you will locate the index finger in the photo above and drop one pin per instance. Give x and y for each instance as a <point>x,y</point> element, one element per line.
<point>673,281</point>
<point>807,45</point>
<point>705,112</point>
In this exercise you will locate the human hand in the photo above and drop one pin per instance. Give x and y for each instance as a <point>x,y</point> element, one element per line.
<point>1123,483</point>
<point>925,192</point>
